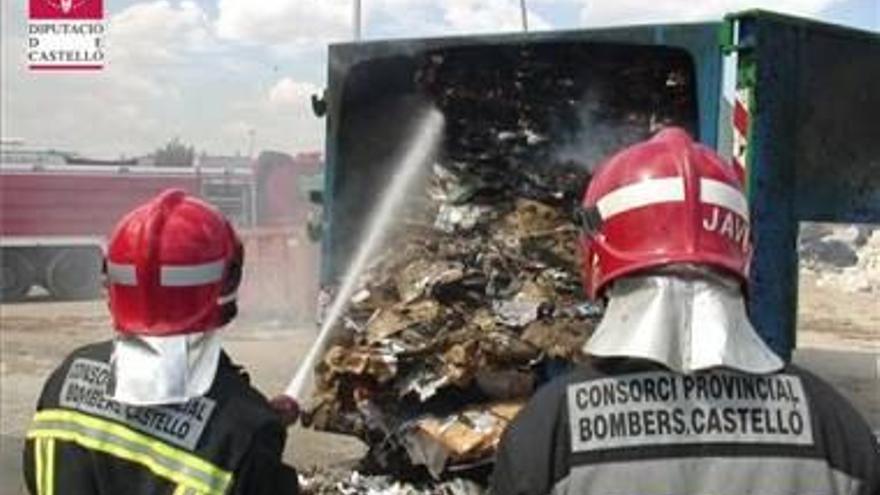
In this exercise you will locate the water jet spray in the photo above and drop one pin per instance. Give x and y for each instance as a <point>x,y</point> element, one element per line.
<point>417,151</point>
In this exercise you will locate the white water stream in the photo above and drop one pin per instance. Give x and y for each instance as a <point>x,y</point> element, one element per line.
<point>413,159</point>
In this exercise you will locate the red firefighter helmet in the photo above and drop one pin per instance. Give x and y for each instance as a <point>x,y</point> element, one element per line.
<point>173,266</point>
<point>663,201</point>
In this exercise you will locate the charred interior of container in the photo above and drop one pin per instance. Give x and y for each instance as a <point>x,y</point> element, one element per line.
<point>476,299</point>
<point>551,109</point>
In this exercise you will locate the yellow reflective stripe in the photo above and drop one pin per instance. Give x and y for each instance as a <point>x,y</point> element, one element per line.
<point>135,437</point>
<point>176,465</point>
<point>120,452</point>
<point>39,447</point>
<point>44,454</point>
<point>186,490</point>
<point>50,466</point>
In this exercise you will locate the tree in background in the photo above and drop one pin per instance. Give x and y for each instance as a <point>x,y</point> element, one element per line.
<point>175,154</point>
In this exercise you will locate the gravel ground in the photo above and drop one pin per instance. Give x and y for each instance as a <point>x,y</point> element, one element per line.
<point>839,338</point>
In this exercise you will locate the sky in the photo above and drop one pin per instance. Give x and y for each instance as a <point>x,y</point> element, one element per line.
<point>211,71</point>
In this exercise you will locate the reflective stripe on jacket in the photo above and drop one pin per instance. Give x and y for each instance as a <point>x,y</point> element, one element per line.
<point>228,441</point>
<point>185,470</point>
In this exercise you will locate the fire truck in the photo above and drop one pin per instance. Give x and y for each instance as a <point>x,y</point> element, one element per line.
<point>56,211</point>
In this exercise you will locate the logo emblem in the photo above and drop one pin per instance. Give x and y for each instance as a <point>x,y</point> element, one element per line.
<point>66,9</point>
<point>65,35</point>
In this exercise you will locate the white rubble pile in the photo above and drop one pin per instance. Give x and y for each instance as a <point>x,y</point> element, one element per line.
<point>845,258</point>
<point>337,482</point>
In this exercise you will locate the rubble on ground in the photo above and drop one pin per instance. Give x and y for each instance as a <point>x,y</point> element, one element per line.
<point>343,482</point>
<point>477,298</point>
<point>846,257</point>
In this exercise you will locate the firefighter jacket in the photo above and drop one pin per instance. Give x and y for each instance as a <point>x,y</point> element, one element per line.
<point>619,426</point>
<point>228,441</point>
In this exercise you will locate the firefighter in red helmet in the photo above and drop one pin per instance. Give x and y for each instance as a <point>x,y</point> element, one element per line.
<point>679,394</point>
<point>161,409</point>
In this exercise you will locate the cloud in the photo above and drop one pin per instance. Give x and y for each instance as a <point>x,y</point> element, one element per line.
<point>158,33</point>
<point>212,74</point>
<point>622,12</point>
<point>461,16</point>
<point>289,92</point>
<point>281,117</point>
<point>283,21</point>
<point>464,16</point>
<point>310,22</point>
<point>158,60</point>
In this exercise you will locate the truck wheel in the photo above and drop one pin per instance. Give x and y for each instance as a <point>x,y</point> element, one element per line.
<point>74,274</point>
<point>16,276</point>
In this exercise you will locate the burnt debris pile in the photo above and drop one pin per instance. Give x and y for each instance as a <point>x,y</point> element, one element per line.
<point>476,299</point>
<point>344,482</point>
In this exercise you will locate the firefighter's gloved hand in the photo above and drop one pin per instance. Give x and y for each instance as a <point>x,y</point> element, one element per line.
<point>286,407</point>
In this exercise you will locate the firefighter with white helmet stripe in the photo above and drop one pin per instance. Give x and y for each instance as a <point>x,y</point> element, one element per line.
<point>679,394</point>
<point>161,408</point>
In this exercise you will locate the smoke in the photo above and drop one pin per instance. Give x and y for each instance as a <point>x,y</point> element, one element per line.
<point>280,279</point>
<point>599,135</point>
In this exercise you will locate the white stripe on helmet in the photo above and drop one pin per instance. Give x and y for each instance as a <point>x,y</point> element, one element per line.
<point>170,275</point>
<point>718,193</point>
<point>120,274</point>
<point>670,190</point>
<point>189,275</point>
<point>644,193</point>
